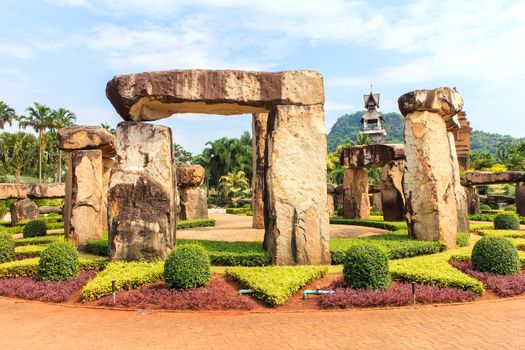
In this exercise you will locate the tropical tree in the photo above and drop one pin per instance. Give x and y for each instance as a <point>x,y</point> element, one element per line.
<point>61,118</point>
<point>181,155</point>
<point>234,187</point>
<point>40,118</point>
<point>108,128</point>
<point>7,115</point>
<point>17,154</point>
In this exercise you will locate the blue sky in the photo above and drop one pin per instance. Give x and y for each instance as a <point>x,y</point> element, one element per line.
<point>63,52</point>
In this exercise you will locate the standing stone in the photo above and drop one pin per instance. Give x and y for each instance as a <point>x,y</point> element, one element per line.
<point>107,164</point>
<point>141,200</point>
<point>296,220</point>
<point>520,198</point>
<point>259,131</point>
<point>193,203</point>
<point>330,197</point>
<point>24,209</point>
<point>472,199</point>
<point>428,182</point>
<point>356,203</point>
<point>459,191</point>
<point>84,193</point>
<point>391,186</point>
<point>375,201</point>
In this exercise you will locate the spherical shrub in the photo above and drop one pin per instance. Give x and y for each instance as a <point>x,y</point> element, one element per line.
<point>506,221</point>
<point>495,255</point>
<point>58,262</point>
<point>187,266</point>
<point>35,228</point>
<point>7,247</point>
<point>366,267</point>
<point>511,208</point>
<point>484,207</point>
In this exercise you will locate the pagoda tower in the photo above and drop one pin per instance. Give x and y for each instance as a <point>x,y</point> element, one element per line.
<point>372,120</point>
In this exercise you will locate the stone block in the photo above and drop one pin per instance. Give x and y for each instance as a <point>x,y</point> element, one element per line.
<point>24,209</point>
<point>84,137</point>
<point>391,186</point>
<point>356,203</point>
<point>190,175</point>
<point>193,203</point>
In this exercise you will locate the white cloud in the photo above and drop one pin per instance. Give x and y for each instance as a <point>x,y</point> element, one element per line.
<point>16,50</point>
<point>71,3</point>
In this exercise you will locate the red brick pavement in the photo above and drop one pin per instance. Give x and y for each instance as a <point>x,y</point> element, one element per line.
<point>481,325</point>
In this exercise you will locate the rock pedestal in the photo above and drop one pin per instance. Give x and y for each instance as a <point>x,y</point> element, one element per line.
<point>520,198</point>
<point>84,193</point>
<point>429,182</point>
<point>356,203</point>
<point>296,219</point>
<point>459,191</point>
<point>24,209</point>
<point>391,186</point>
<point>141,201</point>
<point>472,200</point>
<point>259,131</point>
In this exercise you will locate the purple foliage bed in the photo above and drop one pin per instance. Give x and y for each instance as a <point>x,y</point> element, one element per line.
<point>503,286</point>
<point>399,294</point>
<point>31,288</point>
<point>217,295</point>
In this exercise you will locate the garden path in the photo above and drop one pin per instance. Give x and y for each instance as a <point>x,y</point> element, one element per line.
<point>231,228</point>
<point>482,325</point>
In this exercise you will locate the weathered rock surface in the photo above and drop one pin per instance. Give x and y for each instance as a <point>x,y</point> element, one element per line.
<point>190,175</point>
<point>472,200</point>
<point>520,198</point>
<point>391,185</point>
<point>356,203</point>
<point>428,182</point>
<point>83,203</point>
<point>24,209</point>
<point>141,201</point>
<point>156,95</point>
<point>443,101</point>
<point>49,210</point>
<point>296,220</point>
<point>193,203</point>
<point>371,155</point>
<point>475,178</point>
<point>375,201</point>
<point>21,191</point>
<point>459,191</point>
<point>107,164</point>
<point>259,132</point>
<point>462,140</point>
<point>84,137</point>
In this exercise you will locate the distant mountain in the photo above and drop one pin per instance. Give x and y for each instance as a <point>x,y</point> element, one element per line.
<point>348,126</point>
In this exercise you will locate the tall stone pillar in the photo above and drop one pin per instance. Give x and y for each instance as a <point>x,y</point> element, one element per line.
<point>84,197</point>
<point>472,199</point>
<point>520,198</point>
<point>391,186</point>
<point>107,164</point>
<point>296,219</point>
<point>429,182</point>
<point>259,131</point>
<point>141,201</point>
<point>356,203</point>
<point>459,191</point>
<point>193,199</point>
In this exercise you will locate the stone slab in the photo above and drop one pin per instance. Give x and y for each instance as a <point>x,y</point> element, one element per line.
<point>21,191</point>
<point>372,156</point>
<point>476,178</point>
<point>86,137</point>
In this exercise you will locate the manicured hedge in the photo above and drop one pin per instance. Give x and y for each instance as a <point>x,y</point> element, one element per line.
<point>38,240</point>
<point>477,227</point>
<point>503,233</point>
<point>276,284</point>
<point>496,255</point>
<point>463,239</point>
<point>29,251</point>
<point>98,247</point>
<point>366,267</point>
<point>233,253</point>
<point>128,275</point>
<point>20,228</point>
<point>59,262</point>
<point>35,228</point>
<point>434,269</point>
<point>373,222</point>
<point>507,221</point>
<point>184,224</point>
<point>239,211</point>
<point>396,246</point>
<point>487,217</point>
<point>28,267</point>
<point>187,266</point>
<point>7,247</point>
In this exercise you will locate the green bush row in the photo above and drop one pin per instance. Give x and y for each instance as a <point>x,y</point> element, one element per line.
<point>38,240</point>
<point>503,233</point>
<point>28,267</point>
<point>184,224</point>
<point>20,229</point>
<point>30,251</point>
<point>239,211</point>
<point>276,284</point>
<point>385,225</point>
<point>127,275</point>
<point>488,217</point>
<point>49,219</point>
<point>463,239</point>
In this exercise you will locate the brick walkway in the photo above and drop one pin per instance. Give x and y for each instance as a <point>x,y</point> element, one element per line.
<point>482,325</point>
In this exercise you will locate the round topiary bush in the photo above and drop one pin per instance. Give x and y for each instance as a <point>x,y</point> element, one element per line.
<point>366,267</point>
<point>187,266</point>
<point>506,221</point>
<point>58,262</point>
<point>495,255</point>
<point>35,228</point>
<point>511,208</point>
<point>484,207</point>
<point>7,247</point>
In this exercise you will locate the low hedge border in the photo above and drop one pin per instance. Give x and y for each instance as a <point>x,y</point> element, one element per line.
<point>490,217</point>
<point>239,211</point>
<point>385,225</point>
<point>127,275</point>
<point>28,267</point>
<point>503,233</point>
<point>184,224</point>
<point>274,285</point>
<point>19,229</point>
<point>29,251</point>
<point>38,240</point>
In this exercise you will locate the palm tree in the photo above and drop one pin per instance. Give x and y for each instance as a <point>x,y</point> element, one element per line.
<point>7,115</point>
<point>108,128</point>
<point>61,118</point>
<point>234,186</point>
<point>16,153</point>
<point>39,118</point>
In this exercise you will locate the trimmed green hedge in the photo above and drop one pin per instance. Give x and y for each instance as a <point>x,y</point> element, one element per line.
<point>477,227</point>
<point>372,222</point>
<point>463,239</point>
<point>7,247</point>
<point>239,211</point>
<point>38,240</point>
<point>233,253</point>
<point>187,266</point>
<point>496,255</point>
<point>30,251</point>
<point>396,246</point>
<point>20,229</point>
<point>128,276</point>
<point>28,267</point>
<point>503,233</point>
<point>366,267</point>
<point>59,262</point>
<point>276,284</point>
<point>184,224</point>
